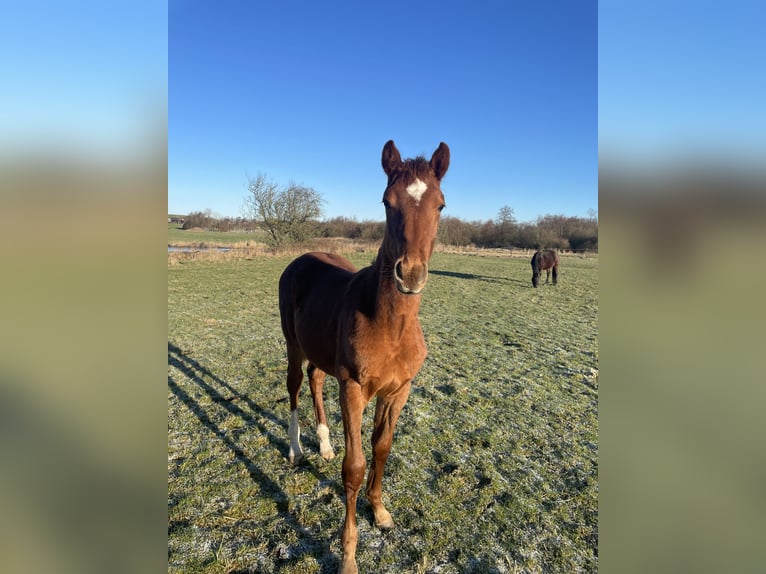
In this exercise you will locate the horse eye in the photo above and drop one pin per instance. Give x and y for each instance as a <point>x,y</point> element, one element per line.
<point>386,204</point>
<point>442,206</point>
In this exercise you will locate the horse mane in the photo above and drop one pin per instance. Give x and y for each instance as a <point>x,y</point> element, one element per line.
<point>411,168</point>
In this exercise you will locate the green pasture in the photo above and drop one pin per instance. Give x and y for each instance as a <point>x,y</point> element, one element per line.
<point>494,466</point>
<point>178,236</point>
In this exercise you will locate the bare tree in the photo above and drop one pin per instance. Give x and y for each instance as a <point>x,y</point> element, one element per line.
<point>289,214</point>
<point>506,224</point>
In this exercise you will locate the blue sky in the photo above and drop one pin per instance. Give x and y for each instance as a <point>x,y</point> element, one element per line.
<point>81,76</point>
<point>682,80</point>
<point>309,92</point>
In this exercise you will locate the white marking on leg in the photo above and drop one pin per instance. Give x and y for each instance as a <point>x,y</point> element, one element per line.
<point>383,518</point>
<point>325,448</point>
<point>296,454</point>
<point>416,189</point>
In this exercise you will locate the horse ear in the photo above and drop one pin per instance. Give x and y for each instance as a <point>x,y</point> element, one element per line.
<point>440,161</point>
<point>391,159</point>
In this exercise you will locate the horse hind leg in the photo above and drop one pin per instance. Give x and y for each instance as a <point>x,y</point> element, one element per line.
<point>555,275</point>
<point>294,379</point>
<point>316,382</point>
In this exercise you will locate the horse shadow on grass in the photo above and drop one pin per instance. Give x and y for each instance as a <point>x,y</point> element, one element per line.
<point>227,397</point>
<point>487,278</point>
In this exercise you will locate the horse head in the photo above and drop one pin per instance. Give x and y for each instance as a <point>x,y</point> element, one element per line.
<point>413,200</point>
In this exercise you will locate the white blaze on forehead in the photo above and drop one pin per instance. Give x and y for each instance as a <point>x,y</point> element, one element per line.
<point>416,189</point>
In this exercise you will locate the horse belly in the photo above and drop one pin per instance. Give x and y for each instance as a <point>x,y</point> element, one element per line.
<point>316,331</point>
<point>311,290</point>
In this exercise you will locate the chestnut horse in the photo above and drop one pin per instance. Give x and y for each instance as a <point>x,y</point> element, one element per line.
<point>547,261</point>
<point>362,327</point>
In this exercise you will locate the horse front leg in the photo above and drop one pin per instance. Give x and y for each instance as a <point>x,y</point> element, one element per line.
<point>352,405</point>
<point>387,410</point>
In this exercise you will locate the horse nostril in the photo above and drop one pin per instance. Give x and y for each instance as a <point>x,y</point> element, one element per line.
<point>398,270</point>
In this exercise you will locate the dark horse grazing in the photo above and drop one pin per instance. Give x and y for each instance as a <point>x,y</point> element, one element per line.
<point>547,261</point>
<point>362,327</point>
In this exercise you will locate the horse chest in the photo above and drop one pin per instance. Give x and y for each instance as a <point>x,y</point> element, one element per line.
<point>386,356</point>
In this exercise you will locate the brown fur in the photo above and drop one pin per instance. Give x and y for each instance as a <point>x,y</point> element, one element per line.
<point>362,327</point>
<point>547,261</point>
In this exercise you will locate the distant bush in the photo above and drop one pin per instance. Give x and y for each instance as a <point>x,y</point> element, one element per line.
<point>341,227</point>
<point>352,229</point>
<point>373,230</point>
<point>203,219</point>
<point>206,220</point>
<point>454,231</point>
<point>584,241</point>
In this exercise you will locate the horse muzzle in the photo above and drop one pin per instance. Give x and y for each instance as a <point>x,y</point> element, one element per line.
<point>410,278</point>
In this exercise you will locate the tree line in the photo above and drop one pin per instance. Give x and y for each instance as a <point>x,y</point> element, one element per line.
<point>548,231</point>
<point>207,220</point>
<point>292,214</point>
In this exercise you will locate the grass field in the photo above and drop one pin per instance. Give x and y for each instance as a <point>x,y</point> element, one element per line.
<point>494,466</point>
<point>180,237</point>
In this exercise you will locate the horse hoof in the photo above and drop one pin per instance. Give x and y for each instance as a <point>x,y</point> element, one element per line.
<point>348,567</point>
<point>383,520</point>
<point>295,459</point>
<point>328,454</point>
